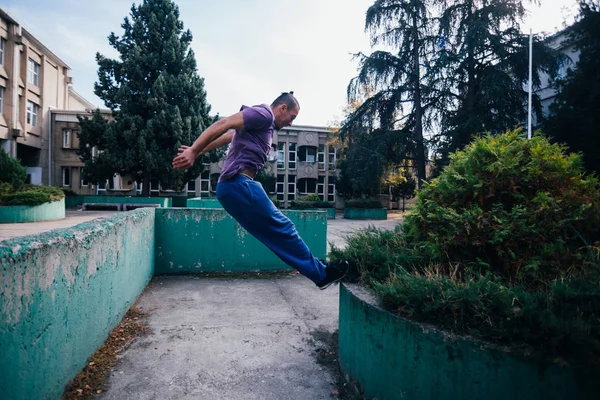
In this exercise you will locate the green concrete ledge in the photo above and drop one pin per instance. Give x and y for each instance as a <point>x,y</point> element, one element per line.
<point>392,358</point>
<point>209,240</point>
<point>61,293</point>
<point>365,213</point>
<point>43,212</point>
<point>203,202</point>
<point>74,201</point>
<point>163,201</point>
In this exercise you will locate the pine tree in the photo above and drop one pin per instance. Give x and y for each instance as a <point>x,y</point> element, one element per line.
<point>482,68</point>
<point>157,99</point>
<point>574,117</point>
<point>393,82</point>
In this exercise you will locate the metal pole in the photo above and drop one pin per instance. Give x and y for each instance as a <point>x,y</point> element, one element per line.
<point>530,84</point>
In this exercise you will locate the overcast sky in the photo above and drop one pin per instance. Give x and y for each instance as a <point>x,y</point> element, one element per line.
<point>248,51</point>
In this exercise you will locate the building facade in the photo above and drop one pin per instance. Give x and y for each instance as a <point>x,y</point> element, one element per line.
<point>33,82</point>
<point>302,159</point>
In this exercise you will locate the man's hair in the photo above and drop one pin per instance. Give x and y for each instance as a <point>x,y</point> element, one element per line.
<point>288,99</point>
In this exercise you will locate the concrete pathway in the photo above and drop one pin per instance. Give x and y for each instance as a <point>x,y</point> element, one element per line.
<point>234,339</point>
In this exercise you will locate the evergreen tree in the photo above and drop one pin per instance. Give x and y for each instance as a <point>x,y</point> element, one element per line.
<point>394,83</point>
<point>156,97</point>
<point>482,68</point>
<point>574,117</point>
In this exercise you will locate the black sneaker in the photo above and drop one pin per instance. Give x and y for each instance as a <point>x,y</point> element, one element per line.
<point>335,271</point>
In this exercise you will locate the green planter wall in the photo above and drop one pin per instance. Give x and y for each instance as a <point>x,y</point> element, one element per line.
<point>208,240</point>
<point>62,292</point>
<point>393,358</point>
<point>43,212</point>
<point>74,201</point>
<point>330,212</point>
<point>365,213</point>
<point>163,201</point>
<point>204,202</point>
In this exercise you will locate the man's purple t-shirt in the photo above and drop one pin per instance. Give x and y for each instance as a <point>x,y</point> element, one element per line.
<point>251,146</point>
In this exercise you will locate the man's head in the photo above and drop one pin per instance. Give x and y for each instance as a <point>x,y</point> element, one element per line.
<point>286,109</point>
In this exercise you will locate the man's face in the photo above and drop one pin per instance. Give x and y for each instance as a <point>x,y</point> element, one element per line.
<point>285,116</point>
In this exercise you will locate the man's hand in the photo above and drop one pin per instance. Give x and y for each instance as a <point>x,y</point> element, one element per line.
<point>185,158</point>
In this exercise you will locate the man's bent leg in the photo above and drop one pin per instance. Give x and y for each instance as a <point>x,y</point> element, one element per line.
<point>246,201</point>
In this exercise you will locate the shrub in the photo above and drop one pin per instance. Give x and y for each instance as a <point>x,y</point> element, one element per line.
<point>304,204</point>
<point>518,208</point>
<point>11,170</point>
<point>363,203</point>
<point>503,245</point>
<point>31,195</point>
<point>311,197</point>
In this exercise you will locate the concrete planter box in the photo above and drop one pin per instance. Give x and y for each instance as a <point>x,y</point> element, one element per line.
<point>330,212</point>
<point>62,292</point>
<point>43,212</point>
<point>210,240</point>
<point>204,202</point>
<point>163,201</point>
<point>392,358</point>
<point>365,213</point>
<point>74,201</point>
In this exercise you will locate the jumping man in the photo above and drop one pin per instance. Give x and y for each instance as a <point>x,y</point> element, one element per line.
<point>250,132</point>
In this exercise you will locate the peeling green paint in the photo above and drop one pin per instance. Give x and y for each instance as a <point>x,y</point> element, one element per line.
<point>43,212</point>
<point>201,240</point>
<point>394,358</point>
<point>62,292</point>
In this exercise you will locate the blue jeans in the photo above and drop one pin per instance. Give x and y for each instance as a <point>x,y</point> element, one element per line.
<point>246,201</point>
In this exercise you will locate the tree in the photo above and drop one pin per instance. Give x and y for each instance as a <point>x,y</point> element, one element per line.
<point>401,184</point>
<point>393,83</point>
<point>574,117</point>
<point>11,170</point>
<point>157,99</point>
<point>482,67</point>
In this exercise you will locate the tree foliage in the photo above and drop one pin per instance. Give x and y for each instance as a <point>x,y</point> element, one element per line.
<point>574,117</point>
<point>157,99</point>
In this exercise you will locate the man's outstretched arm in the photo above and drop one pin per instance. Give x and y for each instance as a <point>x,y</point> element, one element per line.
<point>206,141</point>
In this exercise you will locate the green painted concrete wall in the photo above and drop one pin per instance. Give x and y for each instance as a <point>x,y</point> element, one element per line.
<point>365,213</point>
<point>394,358</point>
<point>61,292</point>
<point>201,240</point>
<point>203,202</point>
<point>163,201</point>
<point>74,201</point>
<point>43,212</point>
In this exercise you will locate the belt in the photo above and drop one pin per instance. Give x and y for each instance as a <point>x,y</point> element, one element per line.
<point>248,172</point>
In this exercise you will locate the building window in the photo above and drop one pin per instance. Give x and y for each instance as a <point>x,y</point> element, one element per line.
<point>331,193</point>
<point>281,155</point>
<point>205,183</point>
<point>321,157</point>
<point>66,138</point>
<point>154,186</point>
<point>332,157</point>
<point>33,72</point>
<point>2,48</point>
<point>291,187</point>
<point>292,156</point>
<point>191,187</point>
<point>307,185</point>
<point>280,187</point>
<point>1,99</point>
<point>66,176</point>
<point>101,188</point>
<point>32,113</point>
<point>307,154</point>
<point>321,187</point>
<point>84,182</point>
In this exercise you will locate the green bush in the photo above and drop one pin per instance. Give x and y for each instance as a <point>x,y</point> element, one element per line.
<point>363,203</point>
<point>11,170</point>
<point>311,197</point>
<point>30,195</point>
<point>503,245</point>
<point>304,204</point>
